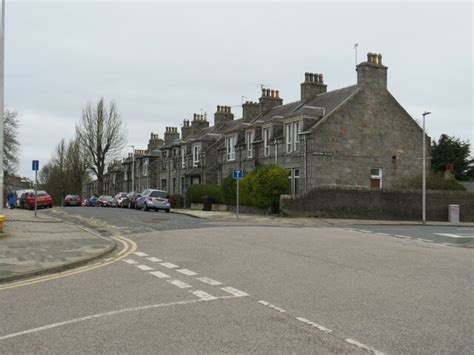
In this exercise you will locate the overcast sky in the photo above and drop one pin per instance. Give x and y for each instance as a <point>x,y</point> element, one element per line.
<point>162,62</point>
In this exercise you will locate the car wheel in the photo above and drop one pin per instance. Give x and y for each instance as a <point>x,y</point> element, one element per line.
<point>167,211</point>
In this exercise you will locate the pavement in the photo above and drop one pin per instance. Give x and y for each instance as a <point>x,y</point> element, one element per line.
<point>32,245</point>
<point>309,221</point>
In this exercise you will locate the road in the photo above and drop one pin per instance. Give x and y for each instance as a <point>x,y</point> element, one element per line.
<point>201,286</point>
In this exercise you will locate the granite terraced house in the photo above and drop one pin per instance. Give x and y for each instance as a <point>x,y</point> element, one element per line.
<point>356,136</point>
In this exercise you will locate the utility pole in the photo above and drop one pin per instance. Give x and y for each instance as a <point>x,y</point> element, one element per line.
<point>133,167</point>
<point>423,213</point>
<point>2,97</point>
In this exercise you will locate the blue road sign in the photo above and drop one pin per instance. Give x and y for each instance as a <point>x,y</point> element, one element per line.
<point>35,165</point>
<point>238,174</point>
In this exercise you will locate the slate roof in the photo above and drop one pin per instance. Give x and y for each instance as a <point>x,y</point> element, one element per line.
<point>328,101</point>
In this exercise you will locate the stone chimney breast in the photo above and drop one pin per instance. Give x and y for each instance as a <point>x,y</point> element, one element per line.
<point>372,74</point>
<point>313,85</point>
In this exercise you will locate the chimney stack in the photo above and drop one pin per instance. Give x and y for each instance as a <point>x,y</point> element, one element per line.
<point>185,129</point>
<point>372,74</point>
<point>250,110</point>
<point>154,142</point>
<point>223,115</point>
<point>269,99</point>
<point>199,122</point>
<point>171,134</point>
<point>313,85</point>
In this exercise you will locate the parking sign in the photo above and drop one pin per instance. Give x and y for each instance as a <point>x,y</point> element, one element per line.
<point>35,165</point>
<point>238,174</point>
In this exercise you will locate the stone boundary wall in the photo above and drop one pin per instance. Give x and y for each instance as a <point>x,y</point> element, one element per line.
<point>337,202</point>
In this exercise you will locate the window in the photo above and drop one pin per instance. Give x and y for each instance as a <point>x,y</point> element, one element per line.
<point>145,166</point>
<point>196,153</point>
<point>183,156</point>
<point>294,181</point>
<point>375,178</point>
<point>266,141</point>
<point>249,138</point>
<point>296,138</point>
<point>163,184</point>
<point>289,137</point>
<point>230,147</point>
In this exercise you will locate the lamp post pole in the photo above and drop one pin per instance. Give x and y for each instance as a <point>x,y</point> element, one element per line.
<point>2,97</point>
<point>423,213</point>
<point>133,167</point>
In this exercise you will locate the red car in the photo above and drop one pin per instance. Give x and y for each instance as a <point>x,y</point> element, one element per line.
<point>43,200</point>
<point>72,200</point>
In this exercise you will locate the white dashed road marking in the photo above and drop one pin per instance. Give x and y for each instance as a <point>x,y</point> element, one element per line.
<point>169,265</point>
<point>424,240</point>
<point>209,281</point>
<point>454,235</point>
<point>402,236</point>
<point>316,325</point>
<point>363,346</point>
<point>204,295</point>
<point>144,267</point>
<point>159,274</point>
<point>155,260</point>
<point>187,272</point>
<point>234,291</point>
<point>130,261</point>
<point>179,284</point>
<point>139,253</point>
<point>272,306</point>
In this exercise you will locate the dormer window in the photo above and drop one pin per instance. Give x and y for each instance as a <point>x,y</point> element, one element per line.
<point>266,141</point>
<point>196,154</point>
<point>292,138</point>
<point>230,143</point>
<point>249,138</point>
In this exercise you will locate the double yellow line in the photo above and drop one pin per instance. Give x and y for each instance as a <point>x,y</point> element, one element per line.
<point>128,247</point>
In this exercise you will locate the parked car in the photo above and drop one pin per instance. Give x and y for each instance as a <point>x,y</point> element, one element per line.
<point>106,201</point>
<point>91,201</point>
<point>19,193</point>
<point>43,199</point>
<point>130,200</point>
<point>72,200</point>
<point>153,200</point>
<point>119,198</point>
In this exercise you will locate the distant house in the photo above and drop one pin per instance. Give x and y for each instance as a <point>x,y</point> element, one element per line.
<point>357,136</point>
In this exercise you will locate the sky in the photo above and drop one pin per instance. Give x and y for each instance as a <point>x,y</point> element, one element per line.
<point>161,62</point>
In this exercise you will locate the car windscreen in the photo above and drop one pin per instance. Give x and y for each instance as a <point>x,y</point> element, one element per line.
<point>161,194</point>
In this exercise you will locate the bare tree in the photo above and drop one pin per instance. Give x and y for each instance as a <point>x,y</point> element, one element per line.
<point>11,146</point>
<point>101,133</point>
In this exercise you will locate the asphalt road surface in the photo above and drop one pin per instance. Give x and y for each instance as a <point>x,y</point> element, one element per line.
<point>195,286</point>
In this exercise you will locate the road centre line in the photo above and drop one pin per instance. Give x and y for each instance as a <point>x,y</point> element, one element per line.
<point>424,240</point>
<point>402,236</point>
<point>363,346</point>
<point>139,253</point>
<point>144,267</point>
<point>265,303</point>
<point>169,265</point>
<point>234,291</point>
<point>160,274</point>
<point>209,281</point>
<point>316,325</point>
<point>364,231</point>
<point>179,284</point>
<point>155,260</point>
<point>98,315</point>
<point>187,272</point>
<point>454,235</point>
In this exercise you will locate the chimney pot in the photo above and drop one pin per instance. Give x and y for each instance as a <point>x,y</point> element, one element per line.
<point>272,93</point>
<point>379,59</point>
<point>321,78</point>
<point>277,93</point>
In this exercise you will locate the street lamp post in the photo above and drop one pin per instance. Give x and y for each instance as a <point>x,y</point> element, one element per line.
<point>2,96</point>
<point>133,167</point>
<point>426,113</point>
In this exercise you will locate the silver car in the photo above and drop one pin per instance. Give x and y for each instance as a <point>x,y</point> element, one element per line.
<point>151,199</point>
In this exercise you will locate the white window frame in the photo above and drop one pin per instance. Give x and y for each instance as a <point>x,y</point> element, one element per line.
<point>379,176</point>
<point>249,138</point>
<point>266,141</point>
<point>183,156</point>
<point>196,154</point>
<point>230,142</point>
<point>296,135</point>
<point>289,136</point>
<point>145,166</point>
